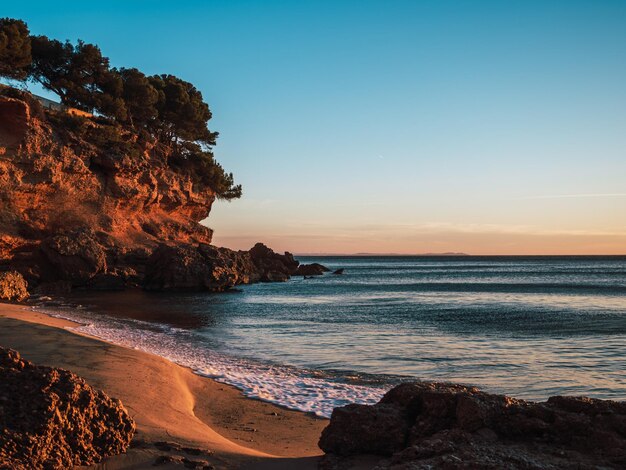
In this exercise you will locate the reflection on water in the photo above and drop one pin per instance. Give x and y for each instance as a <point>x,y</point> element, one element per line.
<point>531,327</point>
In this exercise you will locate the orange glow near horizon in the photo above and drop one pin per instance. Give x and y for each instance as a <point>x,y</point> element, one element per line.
<point>559,225</point>
<point>431,241</point>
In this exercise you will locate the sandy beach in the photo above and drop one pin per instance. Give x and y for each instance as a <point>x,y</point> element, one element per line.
<point>169,402</point>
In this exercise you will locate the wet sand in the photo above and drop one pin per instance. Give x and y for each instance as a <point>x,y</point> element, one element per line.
<point>169,402</point>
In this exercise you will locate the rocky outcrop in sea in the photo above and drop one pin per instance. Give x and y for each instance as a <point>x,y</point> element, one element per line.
<point>447,426</point>
<point>206,267</point>
<point>313,269</point>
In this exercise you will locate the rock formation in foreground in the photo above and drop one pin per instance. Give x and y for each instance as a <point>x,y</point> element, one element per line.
<point>13,287</point>
<point>52,419</point>
<point>85,203</point>
<point>437,425</point>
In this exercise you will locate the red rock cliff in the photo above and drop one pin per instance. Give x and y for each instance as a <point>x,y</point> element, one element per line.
<point>83,202</point>
<point>51,180</point>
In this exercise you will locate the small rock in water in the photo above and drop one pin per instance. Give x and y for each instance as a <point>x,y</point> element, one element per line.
<point>313,269</point>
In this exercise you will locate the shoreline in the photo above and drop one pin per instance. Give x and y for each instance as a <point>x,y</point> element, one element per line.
<point>168,401</point>
<point>121,320</point>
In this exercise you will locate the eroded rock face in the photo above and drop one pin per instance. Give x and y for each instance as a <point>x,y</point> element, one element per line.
<point>52,184</point>
<point>435,425</point>
<point>13,287</point>
<point>52,419</point>
<point>14,119</point>
<point>76,257</point>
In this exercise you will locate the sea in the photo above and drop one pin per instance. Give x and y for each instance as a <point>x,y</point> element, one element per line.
<point>529,327</point>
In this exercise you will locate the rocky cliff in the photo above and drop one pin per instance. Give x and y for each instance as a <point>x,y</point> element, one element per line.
<point>84,203</point>
<point>52,179</point>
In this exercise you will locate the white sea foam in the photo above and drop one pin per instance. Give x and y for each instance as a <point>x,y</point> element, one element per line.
<point>282,385</point>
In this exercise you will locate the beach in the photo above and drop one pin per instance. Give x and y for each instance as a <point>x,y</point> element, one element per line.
<point>169,402</point>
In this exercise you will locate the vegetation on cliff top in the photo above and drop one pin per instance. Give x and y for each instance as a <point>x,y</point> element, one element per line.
<point>161,109</point>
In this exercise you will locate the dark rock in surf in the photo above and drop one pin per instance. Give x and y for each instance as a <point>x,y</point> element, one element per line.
<point>339,271</point>
<point>270,264</point>
<point>313,269</point>
<point>437,425</point>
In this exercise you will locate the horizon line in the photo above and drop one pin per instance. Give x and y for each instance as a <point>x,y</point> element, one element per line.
<point>452,254</point>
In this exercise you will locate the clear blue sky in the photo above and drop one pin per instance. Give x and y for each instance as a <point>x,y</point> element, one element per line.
<point>394,126</point>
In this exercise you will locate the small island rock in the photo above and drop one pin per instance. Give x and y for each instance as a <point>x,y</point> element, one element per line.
<point>313,269</point>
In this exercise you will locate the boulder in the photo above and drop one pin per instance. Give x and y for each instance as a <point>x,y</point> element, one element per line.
<point>339,271</point>
<point>52,419</point>
<point>313,269</point>
<point>76,257</point>
<point>438,425</point>
<point>380,430</point>
<point>272,266</point>
<point>13,287</point>
<point>201,267</point>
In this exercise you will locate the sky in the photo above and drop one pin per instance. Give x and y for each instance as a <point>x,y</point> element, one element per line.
<point>484,127</point>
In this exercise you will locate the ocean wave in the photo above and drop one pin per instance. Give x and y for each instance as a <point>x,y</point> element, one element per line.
<point>298,389</point>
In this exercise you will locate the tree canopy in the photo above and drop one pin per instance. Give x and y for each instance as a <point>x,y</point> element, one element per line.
<point>50,66</point>
<point>139,97</point>
<point>169,109</point>
<point>77,73</point>
<point>15,49</point>
<point>181,112</point>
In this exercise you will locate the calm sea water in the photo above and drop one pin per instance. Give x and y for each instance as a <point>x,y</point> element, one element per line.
<point>531,327</point>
